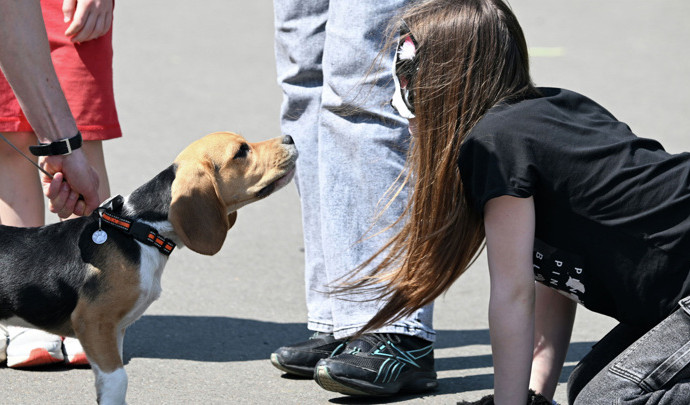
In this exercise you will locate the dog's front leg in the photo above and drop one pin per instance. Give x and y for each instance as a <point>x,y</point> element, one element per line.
<point>101,338</point>
<point>111,387</point>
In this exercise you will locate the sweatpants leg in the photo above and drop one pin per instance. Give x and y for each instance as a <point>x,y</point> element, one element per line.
<point>352,147</point>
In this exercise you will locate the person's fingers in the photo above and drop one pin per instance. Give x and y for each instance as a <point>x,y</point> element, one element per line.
<point>51,187</point>
<point>58,201</point>
<point>80,208</point>
<point>87,29</point>
<point>102,26</point>
<point>77,22</point>
<point>90,20</point>
<point>68,7</point>
<point>73,29</point>
<point>108,22</point>
<point>70,204</point>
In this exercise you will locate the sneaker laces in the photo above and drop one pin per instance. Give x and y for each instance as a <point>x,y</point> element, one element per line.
<point>374,341</point>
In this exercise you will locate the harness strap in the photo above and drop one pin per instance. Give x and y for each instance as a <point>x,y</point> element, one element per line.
<point>138,230</point>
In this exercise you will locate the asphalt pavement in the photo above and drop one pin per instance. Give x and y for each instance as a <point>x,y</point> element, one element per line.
<point>184,69</point>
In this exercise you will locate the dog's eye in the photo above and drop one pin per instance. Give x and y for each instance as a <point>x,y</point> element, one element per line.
<point>242,151</point>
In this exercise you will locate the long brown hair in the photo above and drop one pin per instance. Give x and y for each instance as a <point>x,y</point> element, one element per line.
<point>471,55</point>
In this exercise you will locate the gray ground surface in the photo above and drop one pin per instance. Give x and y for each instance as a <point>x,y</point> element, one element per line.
<point>184,69</point>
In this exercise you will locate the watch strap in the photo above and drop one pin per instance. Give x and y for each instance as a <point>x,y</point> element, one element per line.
<point>61,147</point>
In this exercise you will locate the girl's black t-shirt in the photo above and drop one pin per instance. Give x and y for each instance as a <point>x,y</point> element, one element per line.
<point>612,209</point>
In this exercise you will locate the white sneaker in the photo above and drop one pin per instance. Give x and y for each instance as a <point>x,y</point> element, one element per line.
<point>32,347</point>
<point>74,353</point>
<point>3,343</point>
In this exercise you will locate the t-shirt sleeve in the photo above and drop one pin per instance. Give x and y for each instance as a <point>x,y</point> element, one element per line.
<point>493,165</point>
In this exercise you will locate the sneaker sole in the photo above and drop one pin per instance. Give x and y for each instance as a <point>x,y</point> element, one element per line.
<point>327,382</point>
<point>306,372</point>
<point>78,359</point>
<point>37,357</point>
<point>324,379</point>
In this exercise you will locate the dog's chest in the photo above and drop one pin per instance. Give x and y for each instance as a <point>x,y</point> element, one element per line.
<point>150,272</point>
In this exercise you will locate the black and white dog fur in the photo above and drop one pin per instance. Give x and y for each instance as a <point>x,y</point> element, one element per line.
<point>56,278</point>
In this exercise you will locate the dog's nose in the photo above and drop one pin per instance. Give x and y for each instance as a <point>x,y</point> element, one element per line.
<point>287,140</point>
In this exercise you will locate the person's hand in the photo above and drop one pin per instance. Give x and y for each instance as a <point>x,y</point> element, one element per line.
<point>72,177</point>
<point>89,19</point>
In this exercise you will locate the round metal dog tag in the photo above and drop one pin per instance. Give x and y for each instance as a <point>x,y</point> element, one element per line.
<point>99,237</point>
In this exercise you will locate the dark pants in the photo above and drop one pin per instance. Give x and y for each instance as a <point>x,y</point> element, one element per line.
<point>634,366</point>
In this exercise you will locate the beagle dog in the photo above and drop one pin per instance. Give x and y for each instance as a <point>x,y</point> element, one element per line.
<point>92,277</point>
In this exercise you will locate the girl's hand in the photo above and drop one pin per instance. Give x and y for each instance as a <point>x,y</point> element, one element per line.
<point>90,19</point>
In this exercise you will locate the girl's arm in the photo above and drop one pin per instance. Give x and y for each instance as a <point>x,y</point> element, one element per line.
<point>509,227</point>
<point>554,314</point>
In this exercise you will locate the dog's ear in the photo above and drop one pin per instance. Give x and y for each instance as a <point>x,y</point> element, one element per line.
<point>196,212</point>
<point>232,217</point>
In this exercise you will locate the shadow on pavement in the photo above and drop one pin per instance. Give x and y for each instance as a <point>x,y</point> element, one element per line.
<point>224,339</point>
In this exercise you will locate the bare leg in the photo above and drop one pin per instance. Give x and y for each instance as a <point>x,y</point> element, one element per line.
<point>21,204</point>
<point>21,197</point>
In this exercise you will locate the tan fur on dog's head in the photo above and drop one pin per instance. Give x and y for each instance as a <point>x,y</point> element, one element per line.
<point>218,174</point>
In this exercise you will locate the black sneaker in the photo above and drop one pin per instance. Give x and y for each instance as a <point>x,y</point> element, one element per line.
<point>300,358</point>
<point>380,364</point>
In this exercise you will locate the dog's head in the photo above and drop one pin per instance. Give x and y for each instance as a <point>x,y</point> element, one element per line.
<point>218,174</point>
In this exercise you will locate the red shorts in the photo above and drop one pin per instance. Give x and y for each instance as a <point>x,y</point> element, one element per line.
<point>85,72</point>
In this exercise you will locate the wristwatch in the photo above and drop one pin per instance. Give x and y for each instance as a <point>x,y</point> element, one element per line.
<point>61,147</point>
